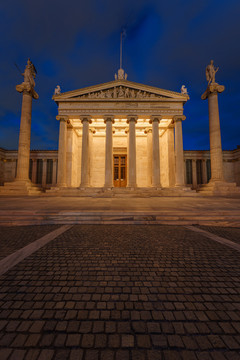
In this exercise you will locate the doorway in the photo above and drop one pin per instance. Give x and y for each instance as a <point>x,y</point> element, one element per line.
<point>120,170</point>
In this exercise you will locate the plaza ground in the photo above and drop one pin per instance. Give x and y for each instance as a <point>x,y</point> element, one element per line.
<point>120,209</point>
<point>116,292</point>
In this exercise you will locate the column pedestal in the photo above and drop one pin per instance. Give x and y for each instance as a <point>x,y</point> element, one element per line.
<point>217,184</point>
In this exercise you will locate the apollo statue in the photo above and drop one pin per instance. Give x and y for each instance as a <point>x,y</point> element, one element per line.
<point>211,72</point>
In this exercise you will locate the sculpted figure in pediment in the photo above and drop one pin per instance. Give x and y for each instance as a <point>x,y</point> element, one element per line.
<point>127,93</point>
<point>121,92</point>
<point>108,94</point>
<point>115,92</point>
<point>132,93</point>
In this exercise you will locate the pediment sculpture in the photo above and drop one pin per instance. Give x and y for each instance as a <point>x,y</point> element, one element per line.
<point>120,92</point>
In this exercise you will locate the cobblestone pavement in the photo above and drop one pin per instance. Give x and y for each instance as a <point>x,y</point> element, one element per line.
<point>229,233</point>
<point>107,292</point>
<point>14,238</point>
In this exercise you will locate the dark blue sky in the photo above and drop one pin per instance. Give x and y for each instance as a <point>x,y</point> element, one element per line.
<point>75,43</point>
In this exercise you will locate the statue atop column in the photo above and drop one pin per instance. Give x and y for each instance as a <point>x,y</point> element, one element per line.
<point>28,84</point>
<point>217,184</point>
<point>211,72</point>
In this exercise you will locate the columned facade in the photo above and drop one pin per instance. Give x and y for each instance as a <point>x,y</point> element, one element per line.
<point>137,153</point>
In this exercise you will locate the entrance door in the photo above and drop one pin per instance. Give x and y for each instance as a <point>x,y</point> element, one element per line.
<point>120,170</point>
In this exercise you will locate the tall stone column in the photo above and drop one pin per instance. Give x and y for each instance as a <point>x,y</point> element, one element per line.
<point>62,151</point>
<point>148,131</point>
<point>214,131</point>
<point>27,88</point>
<point>179,150</point>
<point>109,120</point>
<point>132,120</point>
<point>155,151</point>
<point>86,120</point>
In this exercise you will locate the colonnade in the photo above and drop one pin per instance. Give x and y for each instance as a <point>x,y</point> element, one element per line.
<point>153,141</point>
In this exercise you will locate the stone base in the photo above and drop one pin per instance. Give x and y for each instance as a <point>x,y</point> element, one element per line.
<point>19,187</point>
<point>120,192</point>
<point>219,188</point>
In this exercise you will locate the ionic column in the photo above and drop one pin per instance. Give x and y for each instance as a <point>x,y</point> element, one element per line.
<point>148,131</point>
<point>132,120</point>
<point>109,120</point>
<point>62,151</point>
<point>155,151</point>
<point>86,120</point>
<point>34,171</point>
<point>214,130</point>
<point>194,174</point>
<point>179,150</point>
<point>44,173</point>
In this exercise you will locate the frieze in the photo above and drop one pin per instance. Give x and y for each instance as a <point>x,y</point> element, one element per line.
<point>119,111</point>
<point>121,92</point>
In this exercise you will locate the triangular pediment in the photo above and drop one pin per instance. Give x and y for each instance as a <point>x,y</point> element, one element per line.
<point>120,90</point>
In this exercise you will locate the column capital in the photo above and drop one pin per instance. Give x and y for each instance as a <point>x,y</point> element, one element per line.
<point>179,117</point>
<point>132,118</point>
<point>86,118</point>
<point>62,118</point>
<point>155,118</point>
<point>93,130</point>
<point>211,89</point>
<point>147,131</point>
<point>126,130</point>
<point>108,118</point>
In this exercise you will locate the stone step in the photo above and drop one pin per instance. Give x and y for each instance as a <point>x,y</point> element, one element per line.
<point>8,218</point>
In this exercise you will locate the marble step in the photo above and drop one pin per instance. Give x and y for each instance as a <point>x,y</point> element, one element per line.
<point>75,217</point>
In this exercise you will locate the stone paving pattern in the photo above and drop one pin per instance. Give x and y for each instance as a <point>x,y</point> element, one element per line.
<point>114,292</point>
<point>14,238</point>
<point>229,233</point>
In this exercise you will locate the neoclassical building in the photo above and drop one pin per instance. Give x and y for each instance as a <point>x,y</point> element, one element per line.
<point>119,134</point>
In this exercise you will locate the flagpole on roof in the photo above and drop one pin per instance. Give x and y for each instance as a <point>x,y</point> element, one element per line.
<point>121,51</point>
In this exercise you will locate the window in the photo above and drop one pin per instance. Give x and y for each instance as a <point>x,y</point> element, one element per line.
<point>39,171</point>
<point>49,171</point>
<point>208,169</point>
<point>189,171</point>
<point>199,171</point>
<point>30,169</point>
